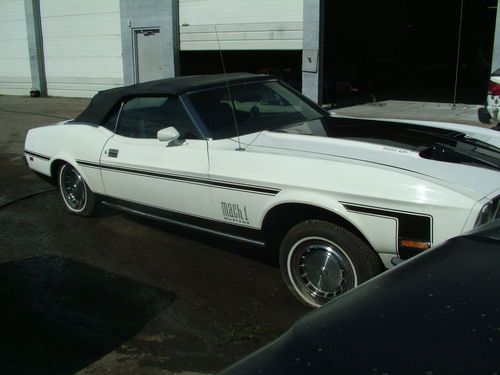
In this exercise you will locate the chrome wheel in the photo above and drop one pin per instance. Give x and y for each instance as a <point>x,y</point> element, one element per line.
<point>320,270</point>
<point>72,188</point>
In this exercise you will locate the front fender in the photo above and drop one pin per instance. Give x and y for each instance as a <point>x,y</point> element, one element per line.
<point>369,226</point>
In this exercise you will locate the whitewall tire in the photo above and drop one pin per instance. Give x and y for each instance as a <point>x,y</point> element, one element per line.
<point>320,260</point>
<point>77,197</point>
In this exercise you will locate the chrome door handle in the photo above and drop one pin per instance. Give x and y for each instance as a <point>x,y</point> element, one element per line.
<point>113,153</point>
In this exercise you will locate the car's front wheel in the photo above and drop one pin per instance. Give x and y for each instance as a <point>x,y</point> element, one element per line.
<point>77,197</point>
<point>320,260</point>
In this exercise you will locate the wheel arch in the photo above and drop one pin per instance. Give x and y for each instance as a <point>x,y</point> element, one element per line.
<point>54,167</point>
<point>62,159</point>
<point>280,218</point>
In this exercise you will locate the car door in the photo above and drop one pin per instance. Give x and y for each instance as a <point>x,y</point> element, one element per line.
<point>139,171</point>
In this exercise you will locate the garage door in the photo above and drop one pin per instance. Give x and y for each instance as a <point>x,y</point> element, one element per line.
<point>82,46</point>
<point>15,75</point>
<point>241,24</point>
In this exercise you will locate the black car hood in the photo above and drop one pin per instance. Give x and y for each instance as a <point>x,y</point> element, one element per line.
<point>438,313</point>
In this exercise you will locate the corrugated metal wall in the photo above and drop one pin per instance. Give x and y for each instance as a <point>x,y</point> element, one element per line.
<point>82,46</point>
<point>82,39</point>
<point>241,24</point>
<point>15,74</point>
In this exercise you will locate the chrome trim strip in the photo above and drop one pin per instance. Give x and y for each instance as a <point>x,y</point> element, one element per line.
<point>118,117</point>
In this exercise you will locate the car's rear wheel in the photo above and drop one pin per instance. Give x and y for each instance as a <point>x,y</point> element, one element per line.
<point>77,197</point>
<point>484,116</point>
<point>320,260</point>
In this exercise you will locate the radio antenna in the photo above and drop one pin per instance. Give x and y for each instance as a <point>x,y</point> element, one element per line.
<point>458,54</point>
<point>228,91</point>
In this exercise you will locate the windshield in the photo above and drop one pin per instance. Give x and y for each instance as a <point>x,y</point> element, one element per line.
<point>257,106</point>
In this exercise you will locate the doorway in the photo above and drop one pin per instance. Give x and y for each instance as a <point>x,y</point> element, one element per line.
<point>147,49</point>
<point>284,64</point>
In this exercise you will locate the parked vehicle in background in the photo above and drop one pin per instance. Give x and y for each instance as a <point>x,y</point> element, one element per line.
<point>489,113</point>
<point>435,314</point>
<point>247,157</point>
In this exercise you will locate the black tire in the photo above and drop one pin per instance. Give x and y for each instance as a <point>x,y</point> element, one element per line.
<point>320,260</point>
<point>483,115</point>
<point>78,199</point>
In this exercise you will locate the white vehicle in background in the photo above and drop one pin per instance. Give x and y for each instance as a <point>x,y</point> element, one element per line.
<point>489,113</point>
<point>246,157</point>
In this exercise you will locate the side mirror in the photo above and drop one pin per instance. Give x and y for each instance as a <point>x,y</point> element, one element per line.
<point>168,134</point>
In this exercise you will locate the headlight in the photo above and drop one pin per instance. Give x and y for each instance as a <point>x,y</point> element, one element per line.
<point>489,212</point>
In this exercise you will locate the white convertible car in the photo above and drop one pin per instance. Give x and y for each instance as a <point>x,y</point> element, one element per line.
<point>248,158</point>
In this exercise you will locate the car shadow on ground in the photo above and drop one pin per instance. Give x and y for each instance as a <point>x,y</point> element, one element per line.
<point>260,254</point>
<point>58,316</point>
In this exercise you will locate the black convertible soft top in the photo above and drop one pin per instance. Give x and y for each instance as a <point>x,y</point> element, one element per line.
<point>105,100</point>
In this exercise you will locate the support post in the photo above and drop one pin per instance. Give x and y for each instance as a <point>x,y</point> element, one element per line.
<point>312,50</point>
<point>35,45</point>
<point>495,64</point>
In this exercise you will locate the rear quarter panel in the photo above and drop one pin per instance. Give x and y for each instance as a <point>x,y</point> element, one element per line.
<point>68,143</point>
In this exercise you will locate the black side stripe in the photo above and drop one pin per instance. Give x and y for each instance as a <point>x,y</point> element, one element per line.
<point>31,153</point>
<point>220,228</point>
<point>88,164</point>
<point>412,225</point>
<point>186,179</point>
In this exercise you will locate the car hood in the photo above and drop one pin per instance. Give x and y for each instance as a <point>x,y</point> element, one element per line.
<point>451,156</point>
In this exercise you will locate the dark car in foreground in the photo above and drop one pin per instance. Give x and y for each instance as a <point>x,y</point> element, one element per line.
<point>438,313</point>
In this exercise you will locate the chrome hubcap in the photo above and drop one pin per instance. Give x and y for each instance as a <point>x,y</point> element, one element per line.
<point>73,188</point>
<point>321,270</point>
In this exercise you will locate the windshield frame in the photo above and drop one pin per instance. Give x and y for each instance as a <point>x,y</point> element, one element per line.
<point>199,122</point>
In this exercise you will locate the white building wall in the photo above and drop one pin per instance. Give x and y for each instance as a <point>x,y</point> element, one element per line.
<point>241,24</point>
<point>82,46</point>
<point>15,74</point>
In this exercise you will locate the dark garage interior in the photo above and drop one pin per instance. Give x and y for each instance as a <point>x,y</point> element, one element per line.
<point>283,64</point>
<point>407,50</point>
<point>390,49</point>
